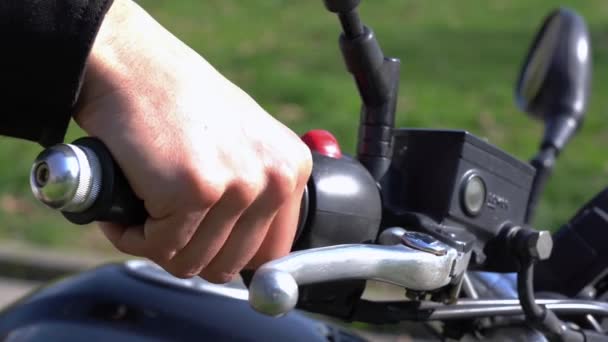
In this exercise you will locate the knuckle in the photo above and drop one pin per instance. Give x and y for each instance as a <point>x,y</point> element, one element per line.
<point>204,194</point>
<point>304,165</point>
<point>202,187</point>
<point>245,191</point>
<point>281,182</point>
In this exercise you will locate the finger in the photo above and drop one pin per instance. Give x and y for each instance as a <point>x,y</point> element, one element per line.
<point>166,236</point>
<point>244,240</point>
<point>129,240</point>
<point>211,234</point>
<point>249,231</point>
<point>281,233</point>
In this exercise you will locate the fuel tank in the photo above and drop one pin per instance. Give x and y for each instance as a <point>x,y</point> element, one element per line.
<point>138,301</point>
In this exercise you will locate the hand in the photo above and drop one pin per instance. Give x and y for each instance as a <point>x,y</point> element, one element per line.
<point>222,180</point>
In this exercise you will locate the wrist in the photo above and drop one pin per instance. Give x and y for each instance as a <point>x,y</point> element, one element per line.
<point>133,51</point>
<point>109,51</point>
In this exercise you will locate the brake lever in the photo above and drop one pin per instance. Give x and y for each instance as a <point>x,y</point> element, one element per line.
<point>416,262</point>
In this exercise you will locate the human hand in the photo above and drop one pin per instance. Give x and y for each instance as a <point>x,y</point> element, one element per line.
<point>221,179</point>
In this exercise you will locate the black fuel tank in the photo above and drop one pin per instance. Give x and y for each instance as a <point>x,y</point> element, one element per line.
<point>136,301</point>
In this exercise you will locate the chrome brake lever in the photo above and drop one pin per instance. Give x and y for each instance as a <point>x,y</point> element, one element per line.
<point>422,266</point>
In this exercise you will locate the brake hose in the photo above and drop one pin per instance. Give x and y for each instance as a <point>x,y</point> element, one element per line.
<point>543,318</point>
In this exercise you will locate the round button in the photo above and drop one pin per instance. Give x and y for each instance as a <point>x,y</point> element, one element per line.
<point>323,142</point>
<point>473,194</point>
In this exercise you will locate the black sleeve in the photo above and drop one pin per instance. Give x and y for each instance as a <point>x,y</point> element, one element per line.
<point>45,44</point>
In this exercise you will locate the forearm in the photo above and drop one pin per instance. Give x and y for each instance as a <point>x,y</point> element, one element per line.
<point>45,48</point>
<point>129,45</point>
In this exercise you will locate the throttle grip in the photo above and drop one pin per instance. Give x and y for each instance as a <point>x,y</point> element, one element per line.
<point>84,182</point>
<point>341,202</point>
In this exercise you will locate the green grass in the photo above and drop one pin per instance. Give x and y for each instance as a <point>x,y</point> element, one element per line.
<point>459,63</point>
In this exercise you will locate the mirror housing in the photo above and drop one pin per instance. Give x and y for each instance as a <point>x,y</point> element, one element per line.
<point>554,81</point>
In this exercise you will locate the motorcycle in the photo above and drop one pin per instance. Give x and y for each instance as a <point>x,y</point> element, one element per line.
<point>442,214</point>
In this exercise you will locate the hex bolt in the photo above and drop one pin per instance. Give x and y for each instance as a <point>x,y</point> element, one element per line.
<point>540,245</point>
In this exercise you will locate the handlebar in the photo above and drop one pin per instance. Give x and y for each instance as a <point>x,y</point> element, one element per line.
<point>336,227</point>
<point>83,182</point>
<point>341,203</point>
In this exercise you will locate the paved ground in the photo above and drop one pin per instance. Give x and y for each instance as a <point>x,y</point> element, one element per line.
<point>11,289</point>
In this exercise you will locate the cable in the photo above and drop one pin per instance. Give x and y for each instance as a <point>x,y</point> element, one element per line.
<point>539,316</point>
<point>525,290</point>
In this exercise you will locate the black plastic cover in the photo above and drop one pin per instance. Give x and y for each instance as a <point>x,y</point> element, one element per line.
<point>433,163</point>
<point>344,207</point>
<point>430,169</point>
<point>580,253</point>
<point>344,204</point>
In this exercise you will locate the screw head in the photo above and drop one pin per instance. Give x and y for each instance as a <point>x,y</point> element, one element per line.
<point>540,245</point>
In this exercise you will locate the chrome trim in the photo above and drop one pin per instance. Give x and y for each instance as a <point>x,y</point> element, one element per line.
<point>424,242</point>
<point>464,309</point>
<point>391,236</point>
<point>494,285</point>
<point>72,178</point>
<point>150,271</point>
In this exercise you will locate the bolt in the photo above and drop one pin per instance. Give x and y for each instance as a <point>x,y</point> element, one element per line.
<point>42,174</point>
<point>540,245</point>
<point>391,236</point>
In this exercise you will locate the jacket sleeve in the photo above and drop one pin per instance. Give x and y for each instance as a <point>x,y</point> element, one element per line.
<point>45,44</point>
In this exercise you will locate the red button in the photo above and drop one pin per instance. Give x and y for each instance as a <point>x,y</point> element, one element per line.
<point>323,142</point>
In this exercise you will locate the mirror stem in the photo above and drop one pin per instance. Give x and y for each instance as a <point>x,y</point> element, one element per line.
<point>351,24</point>
<point>377,79</point>
<point>558,131</point>
<point>543,162</point>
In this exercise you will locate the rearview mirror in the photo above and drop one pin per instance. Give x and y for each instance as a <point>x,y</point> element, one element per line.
<point>554,81</point>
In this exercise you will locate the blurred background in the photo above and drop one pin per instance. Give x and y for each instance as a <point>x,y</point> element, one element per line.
<point>460,60</point>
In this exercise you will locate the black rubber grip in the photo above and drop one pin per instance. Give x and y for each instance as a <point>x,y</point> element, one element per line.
<point>116,201</point>
<point>328,214</point>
